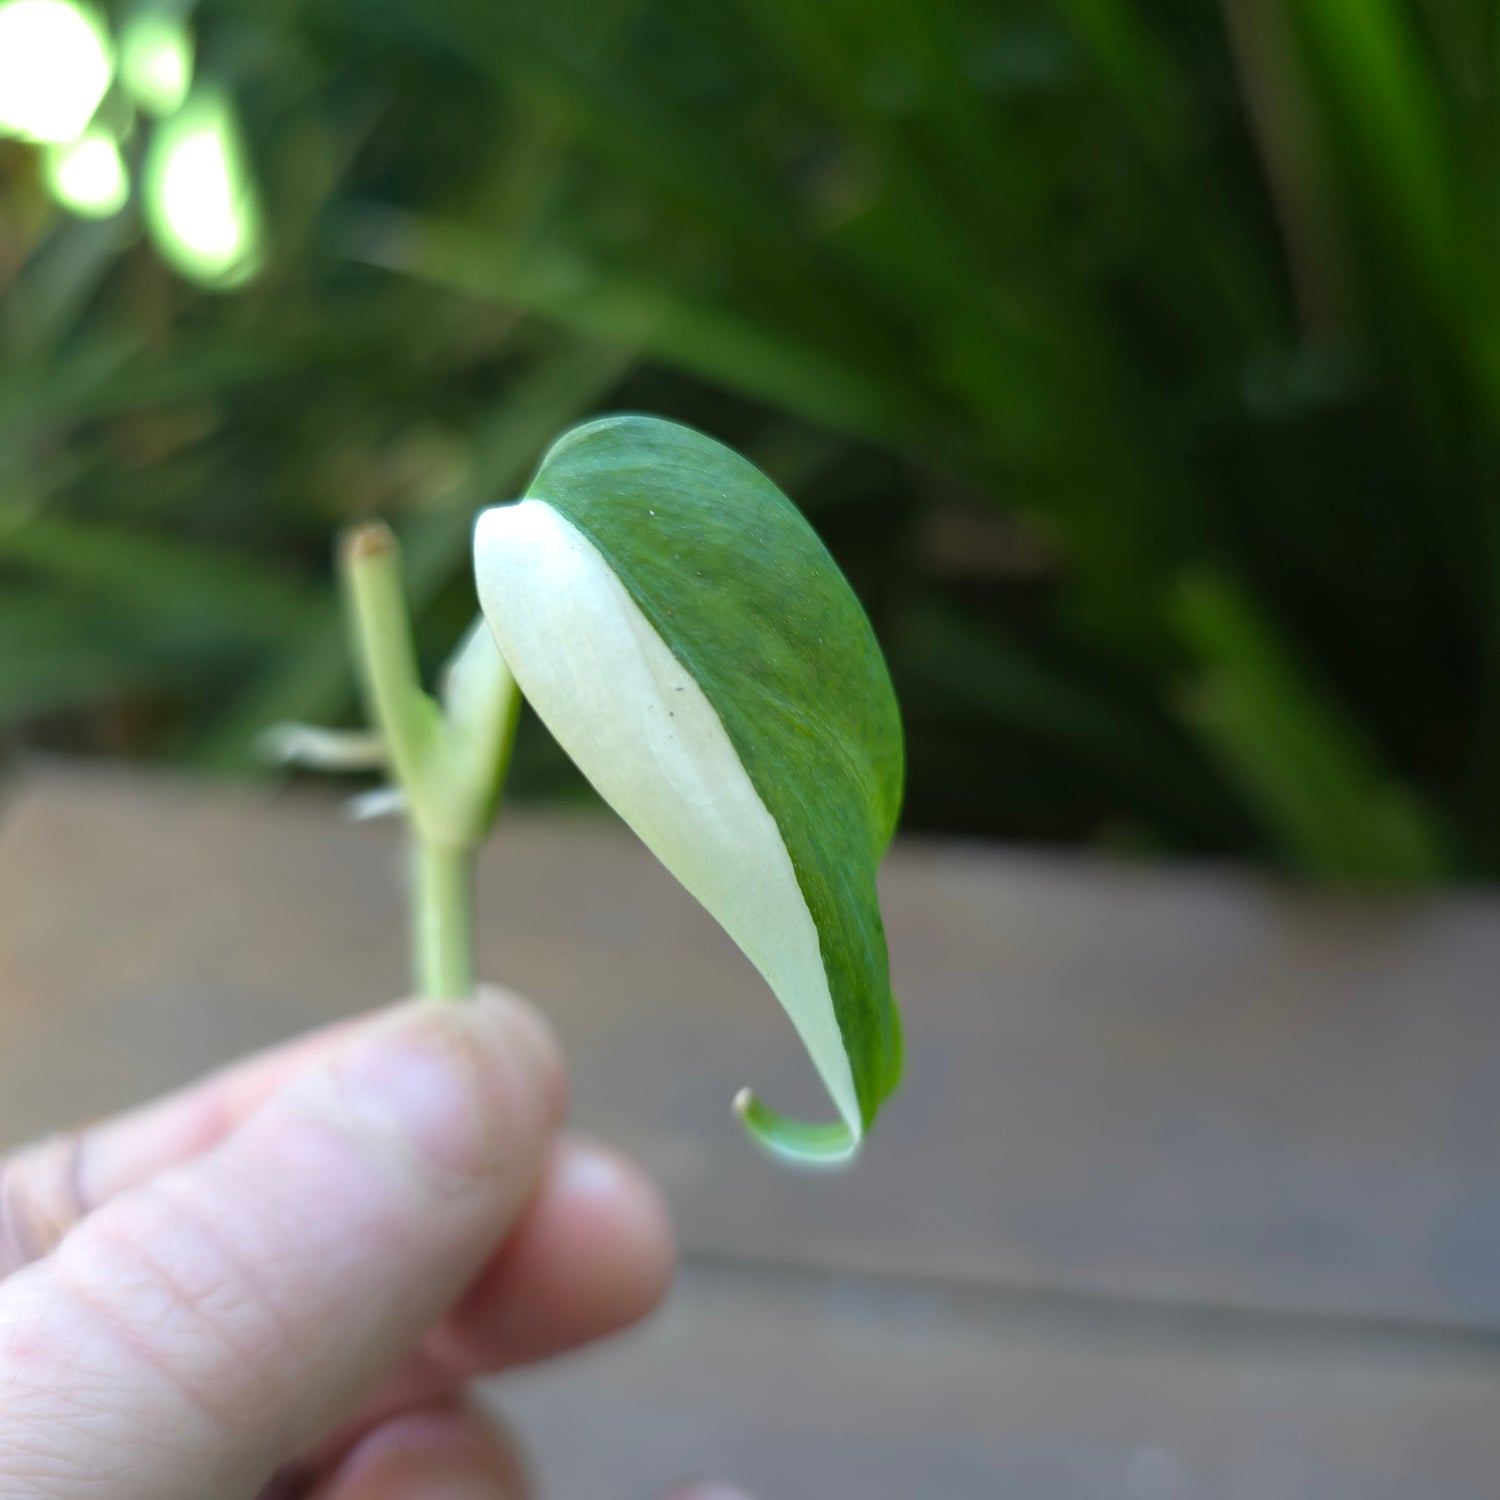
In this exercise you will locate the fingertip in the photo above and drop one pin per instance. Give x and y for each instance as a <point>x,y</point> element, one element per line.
<point>594,1253</point>
<point>614,1205</point>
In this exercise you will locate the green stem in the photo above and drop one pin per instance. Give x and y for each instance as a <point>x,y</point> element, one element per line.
<point>411,728</point>
<point>442,927</point>
<point>406,717</point>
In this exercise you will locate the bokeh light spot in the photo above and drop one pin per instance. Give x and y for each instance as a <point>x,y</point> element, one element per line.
<point>156,61</point>
<point>56,64</point>
<point>88,175</point>
<point>200,199</point>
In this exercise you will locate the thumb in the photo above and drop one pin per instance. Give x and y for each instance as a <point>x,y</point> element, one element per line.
<point>196,1332</point>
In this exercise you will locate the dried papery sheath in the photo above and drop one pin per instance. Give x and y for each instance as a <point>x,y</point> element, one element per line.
<point>320,749</point>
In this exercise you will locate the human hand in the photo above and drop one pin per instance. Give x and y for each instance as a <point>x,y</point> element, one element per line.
<point>277,1282</point>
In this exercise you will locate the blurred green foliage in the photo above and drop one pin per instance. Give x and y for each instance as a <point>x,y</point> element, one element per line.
<point>1140,362</point>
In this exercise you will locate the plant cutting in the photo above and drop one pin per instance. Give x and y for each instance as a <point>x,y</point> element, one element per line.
<point>690,643</point>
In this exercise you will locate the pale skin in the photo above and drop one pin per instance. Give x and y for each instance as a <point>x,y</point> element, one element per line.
<point>279,1282</point>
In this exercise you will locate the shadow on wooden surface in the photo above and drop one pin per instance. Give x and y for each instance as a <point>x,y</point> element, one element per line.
<point>1194,1188</point>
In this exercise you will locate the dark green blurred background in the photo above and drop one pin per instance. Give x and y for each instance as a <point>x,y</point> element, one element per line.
<point>1140,362</point>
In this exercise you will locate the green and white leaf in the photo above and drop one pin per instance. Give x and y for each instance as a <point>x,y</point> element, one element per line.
<point>691,644</point>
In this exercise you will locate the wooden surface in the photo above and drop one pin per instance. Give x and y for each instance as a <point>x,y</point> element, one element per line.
<point>1194,1189</point>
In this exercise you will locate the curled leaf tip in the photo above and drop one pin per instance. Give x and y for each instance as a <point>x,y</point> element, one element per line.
<point>796,1141</point>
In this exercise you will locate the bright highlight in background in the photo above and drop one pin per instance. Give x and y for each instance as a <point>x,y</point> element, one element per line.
<point>156,61</point>
<point>88,176</point>
<point>55,66</point>
<point>199,197</point>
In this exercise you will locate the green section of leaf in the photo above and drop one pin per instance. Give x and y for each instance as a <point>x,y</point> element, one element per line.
<point>746,597</point>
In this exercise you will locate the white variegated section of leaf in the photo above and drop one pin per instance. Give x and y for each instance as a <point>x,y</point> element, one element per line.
<point>643,732</point>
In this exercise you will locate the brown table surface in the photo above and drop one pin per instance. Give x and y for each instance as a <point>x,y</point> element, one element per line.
<point>1193,1189</point>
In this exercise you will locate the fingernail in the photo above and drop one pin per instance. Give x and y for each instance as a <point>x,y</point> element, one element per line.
<point>608,1189</point>
<point>462,1082</point>
<point>588,1171</point>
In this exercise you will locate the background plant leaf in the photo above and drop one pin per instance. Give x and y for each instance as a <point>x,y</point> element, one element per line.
<point>1112,295</point>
